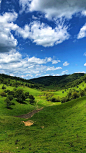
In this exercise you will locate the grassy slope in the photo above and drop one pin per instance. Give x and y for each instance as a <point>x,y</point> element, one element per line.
<point>64,126</point>
<point>64,130</point>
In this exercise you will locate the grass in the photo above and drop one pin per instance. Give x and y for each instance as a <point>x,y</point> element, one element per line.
<point>64,130</point>
<point>58,128</point>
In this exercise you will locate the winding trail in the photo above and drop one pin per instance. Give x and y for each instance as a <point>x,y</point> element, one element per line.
<point>30,114</point>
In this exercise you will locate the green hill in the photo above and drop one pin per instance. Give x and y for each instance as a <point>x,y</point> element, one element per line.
<point>59,82</point>
<point>59,127</point>
<point>56,129</point>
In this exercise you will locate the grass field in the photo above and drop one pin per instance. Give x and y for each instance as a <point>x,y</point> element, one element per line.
<point>57,128</point>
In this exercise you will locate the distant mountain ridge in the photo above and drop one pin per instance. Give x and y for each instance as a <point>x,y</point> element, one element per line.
<point>59,81</point>
<point>46,82</point>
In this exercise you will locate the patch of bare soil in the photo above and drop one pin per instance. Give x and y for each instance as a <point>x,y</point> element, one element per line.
<point>30,114</point>
<point>28,123</point>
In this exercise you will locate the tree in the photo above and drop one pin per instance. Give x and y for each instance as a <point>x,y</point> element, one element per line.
<point>20,95</point>
<point>3,87</point>
<point>8,103</point>
<point>75,95</point>
<point>26,94</point>
<point>3,94</point>
<point>82,93</point>
<point>32,99</point>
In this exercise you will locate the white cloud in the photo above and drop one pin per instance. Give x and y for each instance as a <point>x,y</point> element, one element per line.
<point>55,8</point>
<point>24,4</point>
<point>84,12</point>
<point>80,72</point>
<point>44,35</point>
<point>84,54</point>
<point>39,33</point>
<point>53,68</point>
<point>65,63</point>
<point>55,61</point>
<point>13,64</point>
<point>7,40</point>
<point>64,72</point>
<point>85,64</point>
<point>10,57</point>
<point>82,32</point>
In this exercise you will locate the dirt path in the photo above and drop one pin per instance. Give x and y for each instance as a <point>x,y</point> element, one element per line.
<point>30,114</point>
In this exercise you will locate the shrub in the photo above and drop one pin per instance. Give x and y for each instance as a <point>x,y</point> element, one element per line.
<point>26,94</point>
<point>63,100</point>
<point>82,93</point>
<point>3,94</point>
<point>75,95</point>
<point>32,99</point>
<point>55,99</point>
<point>10,97</point>
<point>19,95</point>
<point>8,102</point>
<point>69,94</point>
<point>11,93</point>
<point>3,87</point>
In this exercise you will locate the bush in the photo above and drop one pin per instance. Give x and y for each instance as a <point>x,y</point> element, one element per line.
<point>53,99</point>
<point>10,97</point>
<point>26,94</point>
<point>69,94</point>
<point>32,99</point>
<point>32,102</point>
<point>11,93</point>
<point>75,95</point>
<point>3,94</point>
<point>3,87</point>
<point>82,93</point>
<point>56,99</point>
<point>20,95</point>
<point>63,100</point>
<point>8,102</point>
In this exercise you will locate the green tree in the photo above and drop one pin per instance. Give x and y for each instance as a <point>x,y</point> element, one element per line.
<point>82,93</point>
<point>8,103</point>
<point>32,99</point>
<point>75,95</point>
<point>20,95</point>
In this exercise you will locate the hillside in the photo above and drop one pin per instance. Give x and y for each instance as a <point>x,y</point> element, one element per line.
<point>59,82</point>
<point>37,121</point>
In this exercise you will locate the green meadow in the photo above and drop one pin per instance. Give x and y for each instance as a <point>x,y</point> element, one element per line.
<point>60,127</point>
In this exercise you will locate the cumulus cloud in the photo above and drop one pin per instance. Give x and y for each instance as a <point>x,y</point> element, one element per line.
<point>53,68</point>
<point>12,63</point>
<point>55,8</point>
<point>7,40</point>
<point>64,72</point>
<point>44,35</point>
<point>24,4</point>
<point>39,33</point>
<point>55,61</point>
<point>85,64</point>
<point>65,63</point>
<point>82,32</point>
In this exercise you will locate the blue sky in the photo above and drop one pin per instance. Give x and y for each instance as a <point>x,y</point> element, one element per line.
<point>41,38</point>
